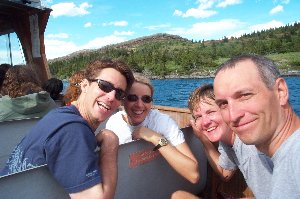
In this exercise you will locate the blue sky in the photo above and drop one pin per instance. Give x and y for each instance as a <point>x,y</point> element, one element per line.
<point>92,24</point>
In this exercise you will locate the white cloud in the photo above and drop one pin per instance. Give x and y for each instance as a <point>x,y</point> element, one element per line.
<point>157,27</point>
<point>226,3</point>
<point>87,25</point>
<point>265,26</point>
<point>195,12</point>
<point>103,41</point>
<point>69,9</point>
<point>58,48</point>
<point>208,30</point>
<point>124,33</point>
<point>59,35</point>
<point>277,9</point>
<point>205,4</point>
<point>200,12</point>
<point>258,27</point>
<point>116,23</point>
<point>285,1</point>
<point>17,57</point>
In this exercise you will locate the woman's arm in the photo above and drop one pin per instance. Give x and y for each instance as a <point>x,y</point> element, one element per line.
<point>180,157</point>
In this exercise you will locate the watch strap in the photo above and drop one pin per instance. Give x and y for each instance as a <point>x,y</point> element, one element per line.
<point>157,147</point>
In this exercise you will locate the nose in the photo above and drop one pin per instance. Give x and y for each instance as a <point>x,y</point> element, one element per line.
<point>234,113</point>
<point>139,102</point>
<point>205,121</point>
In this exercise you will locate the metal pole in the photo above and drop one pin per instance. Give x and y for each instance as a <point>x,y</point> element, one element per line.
<point>9,45</point>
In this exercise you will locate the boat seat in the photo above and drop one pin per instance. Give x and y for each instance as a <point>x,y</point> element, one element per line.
<point>11,133</point>
<point>142,173</point>
<point>145,174</point>
<point>34,183</point>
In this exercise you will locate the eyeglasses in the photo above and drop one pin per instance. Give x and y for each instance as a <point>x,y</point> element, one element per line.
<point>145,98</point>
<point>108,87</point>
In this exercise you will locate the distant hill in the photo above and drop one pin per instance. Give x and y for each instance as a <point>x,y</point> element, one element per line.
<point>130,44</point>
<point>164,55</point>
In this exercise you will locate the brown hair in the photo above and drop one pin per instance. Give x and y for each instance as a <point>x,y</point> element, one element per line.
<point>3,70</point>
<point>94,68</point>
<point>73,91</point>
<point>17,79</point>
<point>202,93</point>
<point>144,80</point>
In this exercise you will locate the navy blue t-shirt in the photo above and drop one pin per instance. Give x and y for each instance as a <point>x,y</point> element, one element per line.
<point>63,140</point>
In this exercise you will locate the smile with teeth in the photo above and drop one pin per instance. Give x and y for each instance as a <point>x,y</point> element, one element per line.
<point>211,129</point>
<point>138,112</point>
<point>103,106</point>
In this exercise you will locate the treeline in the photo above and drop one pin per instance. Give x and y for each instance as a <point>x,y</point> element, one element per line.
<point>164,54</point>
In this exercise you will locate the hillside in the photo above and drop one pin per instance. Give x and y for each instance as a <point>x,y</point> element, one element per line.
<point>130,44</point>
<point>164,55</point>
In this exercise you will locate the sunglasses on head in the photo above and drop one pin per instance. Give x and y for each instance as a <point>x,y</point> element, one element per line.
<point>145,98</point>
<point>108,87</point>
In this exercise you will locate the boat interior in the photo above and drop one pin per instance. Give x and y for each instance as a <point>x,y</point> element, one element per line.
<point>142,173</point>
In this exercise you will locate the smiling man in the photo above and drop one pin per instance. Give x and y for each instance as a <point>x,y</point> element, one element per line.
<point>232,154</point>
<point>64,139</point>
<point>253,100</point>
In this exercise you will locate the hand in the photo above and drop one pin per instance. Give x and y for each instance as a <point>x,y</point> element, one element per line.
<point>143,133</point>
<point>197,130</point>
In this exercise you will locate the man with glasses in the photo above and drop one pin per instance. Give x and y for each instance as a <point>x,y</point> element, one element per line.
<point>64,139</point>
<point>139,121</point>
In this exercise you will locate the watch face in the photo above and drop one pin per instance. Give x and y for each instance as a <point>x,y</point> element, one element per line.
<point>163,141</point>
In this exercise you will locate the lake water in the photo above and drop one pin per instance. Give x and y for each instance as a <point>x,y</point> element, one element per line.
<point>175,92</point>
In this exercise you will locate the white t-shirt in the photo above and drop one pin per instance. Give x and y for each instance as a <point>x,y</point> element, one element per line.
<point>155,120</point>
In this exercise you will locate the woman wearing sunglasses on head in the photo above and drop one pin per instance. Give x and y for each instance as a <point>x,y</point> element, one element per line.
<point>139,121</point>
<point>64,139</point>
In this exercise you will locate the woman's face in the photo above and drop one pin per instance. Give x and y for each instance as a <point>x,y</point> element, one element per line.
<point>137,104</point>
<point>209,120</point>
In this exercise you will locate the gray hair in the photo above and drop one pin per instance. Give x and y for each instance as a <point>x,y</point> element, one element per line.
<point>267,68</point>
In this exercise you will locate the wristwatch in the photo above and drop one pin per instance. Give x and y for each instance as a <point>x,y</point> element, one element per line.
<point>162,142</point>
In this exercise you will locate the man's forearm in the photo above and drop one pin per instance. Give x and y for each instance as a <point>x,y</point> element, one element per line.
<point>108,158</point>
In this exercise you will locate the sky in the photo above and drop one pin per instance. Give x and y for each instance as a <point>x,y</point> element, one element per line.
<point>91,24</point>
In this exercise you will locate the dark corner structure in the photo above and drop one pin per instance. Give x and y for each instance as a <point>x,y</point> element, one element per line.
<point>28,19</point>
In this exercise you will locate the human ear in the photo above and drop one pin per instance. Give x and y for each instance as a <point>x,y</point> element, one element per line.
<point>84,85</point>
<point>282,90</point>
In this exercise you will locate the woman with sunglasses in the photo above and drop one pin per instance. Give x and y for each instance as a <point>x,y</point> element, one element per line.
<point>64,139</point>
<point>139,121</point>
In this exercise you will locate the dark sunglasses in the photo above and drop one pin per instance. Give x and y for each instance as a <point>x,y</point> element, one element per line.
<point>145,98</point>
<point>108,87</point>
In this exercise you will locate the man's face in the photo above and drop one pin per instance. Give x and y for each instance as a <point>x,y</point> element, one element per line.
<point>246,104</point>
<point>209,121</point>
<point>98,104</point>
<point>138,110</point>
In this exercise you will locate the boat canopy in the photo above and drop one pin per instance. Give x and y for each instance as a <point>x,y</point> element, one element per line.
<point>28,19</point>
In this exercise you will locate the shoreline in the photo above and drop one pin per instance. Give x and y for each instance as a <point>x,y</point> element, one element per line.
<point>294,74</point>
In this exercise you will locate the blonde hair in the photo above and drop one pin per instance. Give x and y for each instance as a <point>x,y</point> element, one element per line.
<point>143,80</point>
<point>203,93</point>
